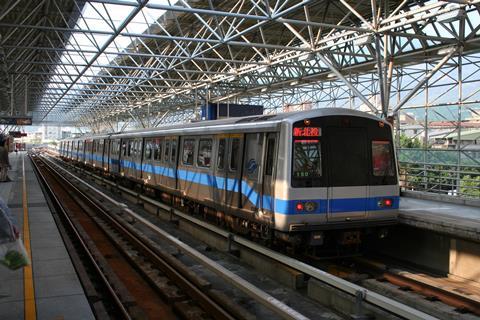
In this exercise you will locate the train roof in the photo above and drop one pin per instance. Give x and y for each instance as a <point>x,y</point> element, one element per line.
<point>250,123</point>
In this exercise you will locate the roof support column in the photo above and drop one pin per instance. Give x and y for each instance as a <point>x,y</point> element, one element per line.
<point>12,95</point>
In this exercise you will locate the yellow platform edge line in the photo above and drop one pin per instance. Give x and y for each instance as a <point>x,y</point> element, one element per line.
<point>30,312</point>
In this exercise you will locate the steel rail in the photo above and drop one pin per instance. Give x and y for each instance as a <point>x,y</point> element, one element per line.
<point>369,296</point>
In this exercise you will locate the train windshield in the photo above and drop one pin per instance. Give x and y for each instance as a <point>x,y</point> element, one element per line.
<point>307,158</point>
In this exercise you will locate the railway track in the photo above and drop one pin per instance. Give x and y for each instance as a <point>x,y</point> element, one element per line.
<point>458,294</point>
<point>120,258</point>
<point>156,270</point>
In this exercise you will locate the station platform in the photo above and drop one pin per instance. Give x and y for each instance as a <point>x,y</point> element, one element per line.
<point>49,288</point>
<point>457,220</point>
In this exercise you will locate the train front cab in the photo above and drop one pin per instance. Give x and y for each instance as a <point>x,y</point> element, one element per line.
<point>342,176</point>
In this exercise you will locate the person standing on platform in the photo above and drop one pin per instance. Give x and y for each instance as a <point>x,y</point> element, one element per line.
<point>4,162</point>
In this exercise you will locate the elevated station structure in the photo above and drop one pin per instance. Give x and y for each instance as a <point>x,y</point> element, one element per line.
<point>114,64</point>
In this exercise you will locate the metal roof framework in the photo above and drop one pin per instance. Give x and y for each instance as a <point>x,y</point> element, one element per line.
<point>97,62</point>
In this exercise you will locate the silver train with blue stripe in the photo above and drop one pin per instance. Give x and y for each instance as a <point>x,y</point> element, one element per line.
<point>309,178</point>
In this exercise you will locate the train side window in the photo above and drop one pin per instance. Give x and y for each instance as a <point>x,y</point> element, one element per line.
<point>204,156</point>
<point>174,151</point>
<point>167,151</point>
<point>188,151</point>
<point>235,149</point>
<point>270,156</point>
<point>129,151</point>
<point>222,143</point>
<point>382,160</point>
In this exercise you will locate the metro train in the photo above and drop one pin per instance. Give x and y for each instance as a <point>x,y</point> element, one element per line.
<point>309,178</point>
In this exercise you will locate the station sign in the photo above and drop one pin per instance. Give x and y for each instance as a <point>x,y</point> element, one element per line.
<point>16,121</point>
<point>17,134</point>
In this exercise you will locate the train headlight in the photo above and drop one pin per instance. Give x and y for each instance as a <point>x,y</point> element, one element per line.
<point>310,206</point>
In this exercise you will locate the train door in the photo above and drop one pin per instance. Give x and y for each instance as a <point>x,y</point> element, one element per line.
<point>220,190</point>
<point>347,174</point>
<point>115,155</point>
<point>136,159</point>
<point>105,152</point>
<point>147,167</point>
<point>165,172</point>
<point>251,185</point>
<point>173,162</point>
<point>81,151</point>
<point>139,158</point>
<point>233,171</point>
<point>268,192</point>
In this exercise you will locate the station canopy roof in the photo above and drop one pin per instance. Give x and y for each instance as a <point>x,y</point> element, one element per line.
<point>72,61</point>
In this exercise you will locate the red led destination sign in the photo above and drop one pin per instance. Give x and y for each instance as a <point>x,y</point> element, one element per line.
<point>306,132</point>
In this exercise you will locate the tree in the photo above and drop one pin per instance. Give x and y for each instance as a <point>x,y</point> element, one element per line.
<point>408,142</point>
<point>470,186</point>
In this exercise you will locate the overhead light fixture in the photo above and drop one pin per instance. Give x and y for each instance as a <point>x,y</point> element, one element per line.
<point>263,90</point>
<point>294,83</point>
<point>306,57</point>
<point>231,79</point>
<point>368,39</point>
<point>331,75</point>
<point>457,12</point>
<point>445,51</point>
<point>263,69</point>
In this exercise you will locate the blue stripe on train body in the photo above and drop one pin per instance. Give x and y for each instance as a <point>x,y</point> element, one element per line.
<point>282,206</point>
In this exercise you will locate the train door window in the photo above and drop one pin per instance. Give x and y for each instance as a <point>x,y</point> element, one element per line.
<point>167,151</point>
<point>148,150</point>
<point>204,156</point>
<point>174,151</point>
<point>157,149</point>
<point>222,143</point>
<point>124,148</point>
<point>382,160</point>
<point>129,151</point>
<point>188,151</point>
<point>253,143</point>
<point>234,151</point>
<point>269,160</point>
